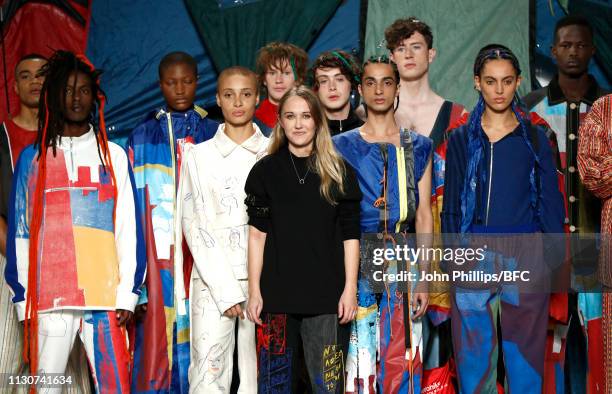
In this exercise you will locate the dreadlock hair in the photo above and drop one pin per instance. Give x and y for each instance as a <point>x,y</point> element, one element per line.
<point>51,108</point>
<point>381,59</point>
<point>336,59</point>
<point>51,123</point>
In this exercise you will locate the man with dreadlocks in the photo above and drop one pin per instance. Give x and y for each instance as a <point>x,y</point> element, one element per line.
<point>16,134</point>
<point>393,167</point>
<point>500,178</point>
<point>75,255</point>
<point>334,75</point>
<point>280,66</point>
<point>161,354</point>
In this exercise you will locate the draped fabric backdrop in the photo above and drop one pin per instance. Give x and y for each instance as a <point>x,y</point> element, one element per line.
<point>460,29</point>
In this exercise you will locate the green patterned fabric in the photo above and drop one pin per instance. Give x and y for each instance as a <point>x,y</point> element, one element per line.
<point>460,29</point>
<point>233,35</point>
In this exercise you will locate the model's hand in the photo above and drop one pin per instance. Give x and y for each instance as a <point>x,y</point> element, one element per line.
<point>347,306</point>
<point>254,308</point>
<point>234,311</point>
<point>140,312</point>
<point>123,316</point>
<point>420,301</point>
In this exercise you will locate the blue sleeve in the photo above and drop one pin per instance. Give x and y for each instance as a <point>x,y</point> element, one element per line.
<point>141,250</point>
<point>141,245</point>
<point>552,210</point>
<point>210,128</point>
<point>18,234</point>
<point>454,175</point>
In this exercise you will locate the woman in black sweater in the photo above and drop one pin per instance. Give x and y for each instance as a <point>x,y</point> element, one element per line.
<point>303,206</point>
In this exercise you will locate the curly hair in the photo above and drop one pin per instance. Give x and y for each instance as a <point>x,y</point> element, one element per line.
<point>276,54</point>
<point>348,65</point>
<point>404,28</point>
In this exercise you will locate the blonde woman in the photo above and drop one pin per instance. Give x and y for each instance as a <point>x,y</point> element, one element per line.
<point>303,206</point>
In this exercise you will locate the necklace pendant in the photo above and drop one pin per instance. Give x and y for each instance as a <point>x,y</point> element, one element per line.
<point>301,181</point>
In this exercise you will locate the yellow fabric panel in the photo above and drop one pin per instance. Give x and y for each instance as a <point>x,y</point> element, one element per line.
<point>170,316</point>
<point>401,178</point>
<point>97,266</point>
<point>158,167</point>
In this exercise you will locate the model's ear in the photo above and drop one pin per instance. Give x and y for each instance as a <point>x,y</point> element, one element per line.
<point>553,50</point>
<point>392,57</point>
<point>477,83</point>
<point>359,90</point>
<point>256,99</point>
<point>432,54</point>
<point>218,100</point>
<point>519,79</point>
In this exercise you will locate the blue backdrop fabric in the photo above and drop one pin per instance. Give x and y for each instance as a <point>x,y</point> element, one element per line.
<point>128,39</point>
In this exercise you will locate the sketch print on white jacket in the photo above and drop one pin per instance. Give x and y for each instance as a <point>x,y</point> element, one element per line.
<point>212,217</point>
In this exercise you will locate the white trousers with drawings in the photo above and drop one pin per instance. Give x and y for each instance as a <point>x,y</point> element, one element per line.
<point>213,342</point>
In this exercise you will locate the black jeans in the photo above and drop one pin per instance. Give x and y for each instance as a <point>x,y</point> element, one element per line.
<point>325,344</point>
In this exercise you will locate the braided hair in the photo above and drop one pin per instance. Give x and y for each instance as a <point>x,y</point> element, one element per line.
<point>474,131</point>
<point>486,54</point>
<point>381,59</point>
<point>51,124</point>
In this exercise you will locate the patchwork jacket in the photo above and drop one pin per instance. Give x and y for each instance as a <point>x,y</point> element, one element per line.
<point>85,260</point>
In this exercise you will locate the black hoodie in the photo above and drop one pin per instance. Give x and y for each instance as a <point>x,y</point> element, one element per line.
<point>340,126</point>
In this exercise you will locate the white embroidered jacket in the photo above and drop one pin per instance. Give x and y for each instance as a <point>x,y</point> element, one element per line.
<point>212,217</point>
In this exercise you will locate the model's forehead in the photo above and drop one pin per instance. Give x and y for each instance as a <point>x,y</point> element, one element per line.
<point>415,38</point>
<point>81,78</point>
<point>237,82</point>
<point>378,71</point>
<point>280,65</point>
<point>178,70</point>
<point>296,104</point>
<point>574,33</point>
<point>498,68</point>
<point>327,71</point>
<point>31,65</point>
